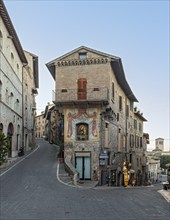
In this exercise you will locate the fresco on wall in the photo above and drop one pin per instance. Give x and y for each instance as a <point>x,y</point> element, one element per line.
<point>81,124</point>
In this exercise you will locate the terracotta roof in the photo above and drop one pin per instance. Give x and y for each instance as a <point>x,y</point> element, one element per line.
<point>8,23</point>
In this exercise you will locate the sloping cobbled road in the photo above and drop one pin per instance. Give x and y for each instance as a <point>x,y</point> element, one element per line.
<point>30,190</point>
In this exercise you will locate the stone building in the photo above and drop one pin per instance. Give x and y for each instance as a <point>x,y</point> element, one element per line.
<point>153,169</point>
<point>53,124</point>
<point>47,121</point>
<point>13,73</point>
<point>96,101</point>
<point>30,85</point>
<point>159,144</point>
<point>40,126</point>
<point>138,148</point>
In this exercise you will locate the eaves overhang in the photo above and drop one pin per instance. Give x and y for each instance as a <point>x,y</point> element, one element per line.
<point>121,79</point>
<point>35,68</point>
<point>36,71</point>
<point>51,64</point>
<point>140,116</point>
<point>146,135</point>
<point>48,108</point>
<point>11,30</point>
<point>51,67</point>
<point>46,111</point>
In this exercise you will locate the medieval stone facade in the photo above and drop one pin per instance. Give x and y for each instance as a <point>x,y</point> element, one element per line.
<point>40,126</point>
<point>53,125</point>
<point>30,85</point>
<point>97,106</point>
<point>18,85</point>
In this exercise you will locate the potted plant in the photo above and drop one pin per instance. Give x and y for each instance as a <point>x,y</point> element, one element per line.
<point>4,146</point>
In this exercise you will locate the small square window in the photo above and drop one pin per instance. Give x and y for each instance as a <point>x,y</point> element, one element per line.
<point>82,56</point>
<point>96,89</point>
<point>64,90</point>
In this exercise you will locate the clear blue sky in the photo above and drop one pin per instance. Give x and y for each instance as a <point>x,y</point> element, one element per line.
<point>137,31</point>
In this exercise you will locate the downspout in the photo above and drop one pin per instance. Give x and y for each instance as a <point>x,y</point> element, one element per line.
<point>126,129</point>
<point>101,134</point>
<point>23,120</point>
<point>101,146</point>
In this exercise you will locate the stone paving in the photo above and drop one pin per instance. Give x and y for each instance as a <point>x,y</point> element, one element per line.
<point>165,194</point>
<point>30,190</point>
<point>65,178</point>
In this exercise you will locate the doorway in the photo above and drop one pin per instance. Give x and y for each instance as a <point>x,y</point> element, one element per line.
<point>83,167</point>
<point>10,134</point>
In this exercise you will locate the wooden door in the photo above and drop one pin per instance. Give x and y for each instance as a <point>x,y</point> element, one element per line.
<point>82,89</point>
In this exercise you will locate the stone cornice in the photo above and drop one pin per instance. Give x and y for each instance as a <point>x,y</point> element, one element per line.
<point>78,62</point>
<point>12,33</point>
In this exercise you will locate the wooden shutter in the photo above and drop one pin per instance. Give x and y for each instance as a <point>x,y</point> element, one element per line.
<point>82,89</point>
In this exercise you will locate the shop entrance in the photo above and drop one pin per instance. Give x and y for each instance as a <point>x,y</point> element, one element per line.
<point>83,167</point>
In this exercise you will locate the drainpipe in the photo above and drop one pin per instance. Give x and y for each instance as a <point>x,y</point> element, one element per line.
<point>101,114</point>
<point>101,145</point>
<point>126,117</point>
<point>23,120</point>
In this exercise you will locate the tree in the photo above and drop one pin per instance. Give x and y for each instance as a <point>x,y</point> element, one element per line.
<point>164,159</point>
<point>4,146</point>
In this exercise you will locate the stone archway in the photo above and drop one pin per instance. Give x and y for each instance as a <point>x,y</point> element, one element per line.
<point>10,134</point>
<point>18,138</point>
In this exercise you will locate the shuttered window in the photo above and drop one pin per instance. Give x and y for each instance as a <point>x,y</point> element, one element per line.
<point>82,88</point>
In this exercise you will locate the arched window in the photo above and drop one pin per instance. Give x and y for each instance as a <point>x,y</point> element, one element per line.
<point>1,40</point>
<point>11,97</point>
<point>82,131</point>
<point>10,129</point>
<point>137,160</point>
<point>10,134</point>
<point>7,96</point>
<point>17,105</point>
<point>17,68</point>
<point>18,129</point>
<point>12,59</point>
<point>18,137</point>
<point>0,90</point>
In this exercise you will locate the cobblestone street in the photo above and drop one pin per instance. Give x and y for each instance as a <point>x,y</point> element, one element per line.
<point>31,190</point>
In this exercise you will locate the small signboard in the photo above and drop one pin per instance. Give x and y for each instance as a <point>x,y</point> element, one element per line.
<point>103,154</point>
<point>103,158</point>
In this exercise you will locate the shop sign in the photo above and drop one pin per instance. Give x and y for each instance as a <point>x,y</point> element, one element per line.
<point>103,162</point>
<point>103,154</point>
